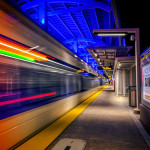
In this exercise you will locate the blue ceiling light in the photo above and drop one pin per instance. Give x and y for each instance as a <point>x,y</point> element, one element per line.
<point>71,23</point>
<point>123,42</point>
<point>43,21</point>
<point>129,55</point>
<point>86,74</point>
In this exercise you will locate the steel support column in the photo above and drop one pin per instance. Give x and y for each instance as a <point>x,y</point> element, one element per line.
<point>138,74</point>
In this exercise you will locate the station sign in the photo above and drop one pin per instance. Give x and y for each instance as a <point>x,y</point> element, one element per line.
<point>107,68</point>
<point>146,83</point>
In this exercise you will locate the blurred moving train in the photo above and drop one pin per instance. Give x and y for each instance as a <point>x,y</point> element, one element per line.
<point>26,85</point>
<point>34,94</point>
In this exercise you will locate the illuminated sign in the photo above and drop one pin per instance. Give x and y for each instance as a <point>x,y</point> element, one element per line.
<point>107,68</point>
<point>146,71</point>
<point>146,83</point>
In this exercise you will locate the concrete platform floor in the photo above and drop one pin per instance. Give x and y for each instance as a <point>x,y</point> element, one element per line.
<point>105,125</point>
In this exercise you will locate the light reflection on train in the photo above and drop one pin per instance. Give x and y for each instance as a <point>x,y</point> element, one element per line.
<point>23,88</point>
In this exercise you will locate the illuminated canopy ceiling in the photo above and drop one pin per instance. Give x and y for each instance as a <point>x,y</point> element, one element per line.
<point>71,22</point>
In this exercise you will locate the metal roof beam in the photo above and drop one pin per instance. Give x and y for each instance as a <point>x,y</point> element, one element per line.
<point>71,1</point>
<point>29,5</point>
<point>110,47</point>
<point>79,46</point>
<point>83,54</point>
<point>87,24</point>
<point>94,4</point>
<point>98,26</point>
<point>75,43</point>
<point>57,30</point>
<point>80,8</point>
<point>65,26</point>
<point>116,18</point>
<point>76,25</point>
<point>85,40</point>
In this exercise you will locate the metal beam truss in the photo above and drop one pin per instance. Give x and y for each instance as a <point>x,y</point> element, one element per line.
<point>71,22</point>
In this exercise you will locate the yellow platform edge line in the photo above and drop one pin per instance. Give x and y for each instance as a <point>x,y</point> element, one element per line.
<point>44,138</point>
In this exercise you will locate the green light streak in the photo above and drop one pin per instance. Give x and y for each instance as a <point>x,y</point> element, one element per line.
<point>16,55</point>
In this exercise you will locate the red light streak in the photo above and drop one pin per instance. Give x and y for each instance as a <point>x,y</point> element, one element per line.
<point>8,94</point>
<point>26,98</point>
<point>51,57</point>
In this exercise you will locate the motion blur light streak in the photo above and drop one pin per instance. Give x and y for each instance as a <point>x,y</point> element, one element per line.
<point>61,64</point>
<point>16,56</point>
<point>26,98</point>
<point>9,94</point>
<point>43,58</point>
<point>13,46</point>
<point>38,64</point>
<point>51,57</point>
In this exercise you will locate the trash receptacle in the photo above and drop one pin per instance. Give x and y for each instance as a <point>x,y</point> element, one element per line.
<point>132,96</point>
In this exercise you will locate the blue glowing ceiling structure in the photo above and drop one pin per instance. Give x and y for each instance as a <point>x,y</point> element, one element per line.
<point>71,22</point>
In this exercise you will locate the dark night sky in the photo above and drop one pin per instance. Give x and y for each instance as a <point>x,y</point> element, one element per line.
<point>135,14</point>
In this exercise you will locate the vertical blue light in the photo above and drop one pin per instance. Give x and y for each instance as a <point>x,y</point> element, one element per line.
<point>123,42</point>
<point>43,21</point>
<point>42,12</point>
<point>75,45</point>
<point>87,59</point>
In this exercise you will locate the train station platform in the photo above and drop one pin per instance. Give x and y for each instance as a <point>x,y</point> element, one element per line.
<point>56,60</point>
<point>107,123</point>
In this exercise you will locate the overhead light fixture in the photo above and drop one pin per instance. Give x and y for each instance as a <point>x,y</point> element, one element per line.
<point>111,34</point>
<point>75,56</point>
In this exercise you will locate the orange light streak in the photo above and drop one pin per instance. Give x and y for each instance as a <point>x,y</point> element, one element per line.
<point>15,47</point>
